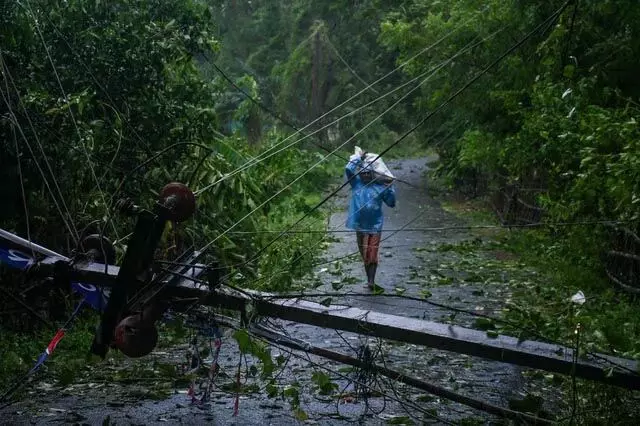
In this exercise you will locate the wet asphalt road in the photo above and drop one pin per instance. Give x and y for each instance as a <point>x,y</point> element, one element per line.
<point>401,260</point>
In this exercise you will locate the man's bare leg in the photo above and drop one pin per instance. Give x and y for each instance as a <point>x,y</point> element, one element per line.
<point>373,243</point>
<point>372,271</point>
<point>362,247</point>
<point>360,239</point>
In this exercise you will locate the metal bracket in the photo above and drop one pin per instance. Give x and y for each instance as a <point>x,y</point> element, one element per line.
<point>136,263</point>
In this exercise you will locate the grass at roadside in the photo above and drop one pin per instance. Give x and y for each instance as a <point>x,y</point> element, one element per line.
<point>546,267</point>
<point>609,320</point>
<point>71,366</point>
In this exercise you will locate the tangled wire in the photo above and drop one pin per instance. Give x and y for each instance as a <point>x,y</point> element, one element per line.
<point>200,393</point>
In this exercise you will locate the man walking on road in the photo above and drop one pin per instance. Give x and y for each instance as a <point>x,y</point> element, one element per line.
<point>368,191</point>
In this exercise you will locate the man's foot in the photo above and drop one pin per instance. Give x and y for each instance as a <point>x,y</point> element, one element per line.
<point>375,288</point>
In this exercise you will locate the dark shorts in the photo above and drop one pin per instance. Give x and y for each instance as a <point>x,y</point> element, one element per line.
<point>369,245</point>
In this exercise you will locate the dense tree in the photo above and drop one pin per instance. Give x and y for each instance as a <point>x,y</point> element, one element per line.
<point>558,114</point>
<point>94,92</point>
<point>308,57</point>
<point>98,88</point>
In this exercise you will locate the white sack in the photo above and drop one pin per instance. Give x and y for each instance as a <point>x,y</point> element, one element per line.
<point>378,166</point>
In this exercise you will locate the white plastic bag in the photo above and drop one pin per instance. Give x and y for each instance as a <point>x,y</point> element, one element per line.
<point>378,167</point>
<point>579,298</point>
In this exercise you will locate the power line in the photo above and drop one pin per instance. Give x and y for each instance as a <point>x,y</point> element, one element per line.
<point>446,228</point>
<point>275,150</point>
<point>308,249</point>
<point>288,123</point>
<point>312,167</point>
<point>405,63</point>
<point>73,119</point>
<point>100,86</point>
<point>324,367</point>
<point>263,249</point>
<point>346,64</point>
<point>454,95</point>
<point>332,194</point>
<point>477,77</point>
<point>394,375</point>
<point>414,128</point>
<point>22,191</point>
<point>431,74</point>
<point>65,218</point>
<point>255,101</point>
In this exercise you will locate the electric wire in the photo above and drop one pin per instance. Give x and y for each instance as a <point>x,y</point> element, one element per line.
<point>14,118</point>
<point>398,68</point>
<point>300,176</point>
<point>22,191</point>
<point>71,115</point>
<point>442,105</point>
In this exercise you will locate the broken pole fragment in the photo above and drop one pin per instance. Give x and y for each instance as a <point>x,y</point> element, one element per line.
<point>542,356</point>
<point>538,355</point>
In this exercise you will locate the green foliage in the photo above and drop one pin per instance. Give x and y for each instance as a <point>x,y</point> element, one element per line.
<point>537,272</point>
<point>19,352</point>
<point>135,82</point>
<point>607,319</point>
<point>97,88</point>
<point>292,394</point>
<point>400,420</point>
<point>324,384</point>
<point>540,271</point>
<point>132,88</point>
<point>259,350</point>
<point>132,73</point>
<point>559,114</point>
<point>309,57</point>
<point>555,114</point>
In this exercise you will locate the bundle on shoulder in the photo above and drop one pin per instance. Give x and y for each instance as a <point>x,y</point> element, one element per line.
<point>372,167</point>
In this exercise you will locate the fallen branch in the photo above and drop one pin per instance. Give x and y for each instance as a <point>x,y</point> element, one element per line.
<point>625,255</point>
<point>622,285</point>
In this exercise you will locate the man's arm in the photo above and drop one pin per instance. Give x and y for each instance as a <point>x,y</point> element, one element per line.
<point>389,195</point>
<point>351,169</point>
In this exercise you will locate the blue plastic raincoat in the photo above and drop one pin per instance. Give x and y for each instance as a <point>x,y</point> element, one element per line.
<point>365,208</point>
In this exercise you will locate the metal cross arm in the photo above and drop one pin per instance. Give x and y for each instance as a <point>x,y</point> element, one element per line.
<point>135,301</point>
<point>128,322</point>
<point>16,251</point>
